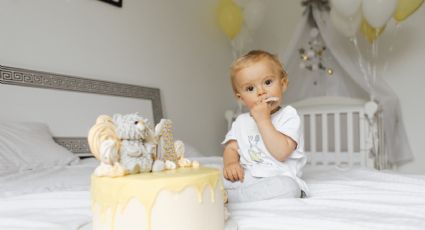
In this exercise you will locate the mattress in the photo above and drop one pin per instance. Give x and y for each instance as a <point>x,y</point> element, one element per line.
<point>58,198</point>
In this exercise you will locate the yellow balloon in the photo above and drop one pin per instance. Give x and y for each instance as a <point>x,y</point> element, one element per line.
<point>405,8</point>
<point>370,33</point>
<point>230,18</point>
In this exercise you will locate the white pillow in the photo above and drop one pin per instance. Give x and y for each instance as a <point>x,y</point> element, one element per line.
<point>29,145</point>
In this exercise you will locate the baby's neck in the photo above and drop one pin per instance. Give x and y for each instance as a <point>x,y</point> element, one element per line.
<point>275,110</point>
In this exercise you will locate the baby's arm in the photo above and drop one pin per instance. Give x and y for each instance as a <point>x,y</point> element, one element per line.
<point>278,144</point>
<point>232,169</point>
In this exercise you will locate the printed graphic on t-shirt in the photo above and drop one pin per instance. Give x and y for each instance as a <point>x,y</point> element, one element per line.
<point>254,151</point>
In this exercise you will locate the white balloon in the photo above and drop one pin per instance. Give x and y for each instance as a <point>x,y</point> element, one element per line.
<point>346,8</point>
<point>254,14</point>
<point>347,26</point>
<point>378,12</point>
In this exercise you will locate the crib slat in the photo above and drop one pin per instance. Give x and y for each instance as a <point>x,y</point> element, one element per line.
<point>362,133</point>
<point>325,138</point>
<point>304,126</point>
<point>337,138</point>
<point>313,139</point>
<point>350,141</point>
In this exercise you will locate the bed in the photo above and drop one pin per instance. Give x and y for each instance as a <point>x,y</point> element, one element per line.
<point>346,191</point>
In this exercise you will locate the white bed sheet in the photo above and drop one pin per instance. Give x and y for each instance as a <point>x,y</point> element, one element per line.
<point>55,198</point>
<point>58,198</point>
<point>352,199</point>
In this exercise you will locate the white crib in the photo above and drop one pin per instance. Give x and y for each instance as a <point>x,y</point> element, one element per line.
<point>336,132</point>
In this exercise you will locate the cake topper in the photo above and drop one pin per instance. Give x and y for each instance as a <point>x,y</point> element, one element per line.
<point>128,144</point>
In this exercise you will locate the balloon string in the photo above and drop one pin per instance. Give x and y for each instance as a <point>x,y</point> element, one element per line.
<point>391,47</point>
<point>374,60</point>
<point>360,60</point>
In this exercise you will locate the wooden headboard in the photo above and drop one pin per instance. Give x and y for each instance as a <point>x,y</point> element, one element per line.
<point>21,104</point>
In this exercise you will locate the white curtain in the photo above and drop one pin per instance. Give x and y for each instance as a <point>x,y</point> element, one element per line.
<point>347,80</point>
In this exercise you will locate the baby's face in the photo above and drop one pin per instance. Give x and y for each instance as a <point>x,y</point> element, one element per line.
<point>259,82</point>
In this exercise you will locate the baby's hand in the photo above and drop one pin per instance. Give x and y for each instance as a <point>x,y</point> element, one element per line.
<point>233,171</point>
<point>261,111</point>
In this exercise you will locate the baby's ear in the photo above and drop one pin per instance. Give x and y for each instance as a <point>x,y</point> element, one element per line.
<point>238,95</point>
<point>284,82</point>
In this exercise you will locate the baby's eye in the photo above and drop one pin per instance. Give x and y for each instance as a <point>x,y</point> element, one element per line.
<point>249,88</point>
<point>268,82</point>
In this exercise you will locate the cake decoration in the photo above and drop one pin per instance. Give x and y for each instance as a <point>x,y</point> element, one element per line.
<point>128,144</point>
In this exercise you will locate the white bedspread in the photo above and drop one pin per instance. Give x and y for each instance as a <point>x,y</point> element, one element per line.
<point>58,198</point>
<point>354,199</point>
<point>55,198</point>
<point>52,210</point>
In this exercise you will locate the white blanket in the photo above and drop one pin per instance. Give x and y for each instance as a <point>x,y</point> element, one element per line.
<point>58,198</point>
<point>55,198</point>
<point>50,210</point>
<point>354,199</point>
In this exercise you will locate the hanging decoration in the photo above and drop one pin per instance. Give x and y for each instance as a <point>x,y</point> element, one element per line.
<point>312,55</point>
<point>322,5</point>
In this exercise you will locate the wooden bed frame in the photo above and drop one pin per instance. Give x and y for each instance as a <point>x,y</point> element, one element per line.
<point>54,81</point>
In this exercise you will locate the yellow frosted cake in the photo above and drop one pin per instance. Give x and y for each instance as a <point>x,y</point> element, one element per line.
<point>181,199</point>
<point>144,182</point>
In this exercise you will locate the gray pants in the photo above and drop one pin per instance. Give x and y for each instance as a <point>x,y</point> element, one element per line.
<point>261,188</point>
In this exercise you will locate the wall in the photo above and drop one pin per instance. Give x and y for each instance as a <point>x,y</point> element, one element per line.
<point>173,45</point>
<point>280,22</point>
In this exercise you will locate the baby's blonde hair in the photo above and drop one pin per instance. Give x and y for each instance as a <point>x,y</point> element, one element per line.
<point>255,56</point>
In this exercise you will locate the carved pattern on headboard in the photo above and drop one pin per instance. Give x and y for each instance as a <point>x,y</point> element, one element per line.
<point>32,78</point>
<point>76,145</point>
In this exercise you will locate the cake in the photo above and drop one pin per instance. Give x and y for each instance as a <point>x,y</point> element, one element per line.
<point>180,199</point>
<point>144,182</point>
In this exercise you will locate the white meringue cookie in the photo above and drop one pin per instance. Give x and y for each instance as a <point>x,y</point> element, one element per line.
<point>170,165</point>
<point>158,165</point>
<point>184,162</point>
<point>195,164</point>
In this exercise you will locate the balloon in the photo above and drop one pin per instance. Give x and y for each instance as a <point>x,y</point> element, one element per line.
<point>254,14</point>
<point>230,18</point>
<point>347,26</point>
<point>405,8</point>
<point>378,12</point>
<point>346,8</point>
<point>369,32</point>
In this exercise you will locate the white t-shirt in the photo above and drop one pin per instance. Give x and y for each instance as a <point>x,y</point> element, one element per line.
<point>254,155</point>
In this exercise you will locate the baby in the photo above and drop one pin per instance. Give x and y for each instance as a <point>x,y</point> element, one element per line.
<point>263,151</point>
